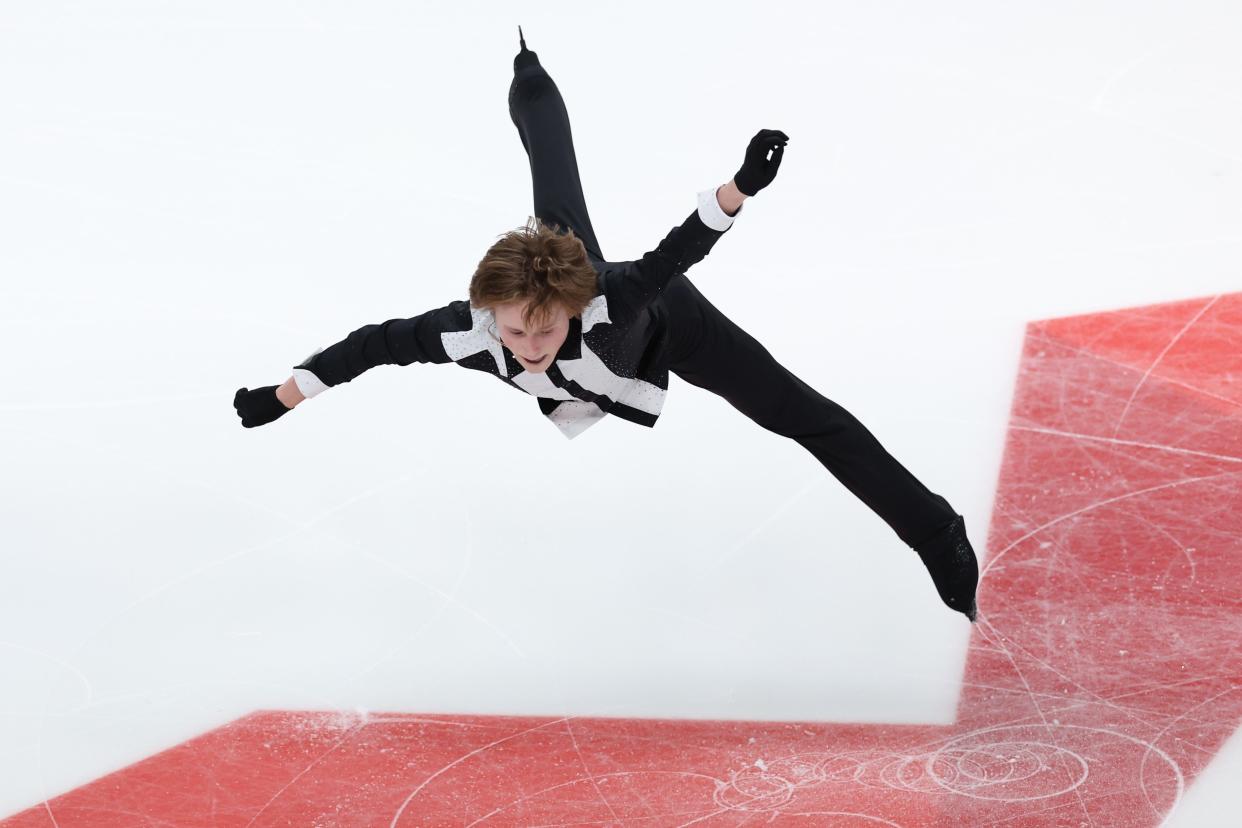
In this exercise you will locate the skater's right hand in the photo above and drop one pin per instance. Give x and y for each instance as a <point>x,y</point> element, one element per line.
<point>258,407</point>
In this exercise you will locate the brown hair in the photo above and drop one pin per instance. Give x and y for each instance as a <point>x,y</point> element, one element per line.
<point>538,263</point>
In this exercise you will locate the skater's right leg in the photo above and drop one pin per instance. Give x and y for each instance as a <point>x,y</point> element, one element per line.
<point>538,111</point>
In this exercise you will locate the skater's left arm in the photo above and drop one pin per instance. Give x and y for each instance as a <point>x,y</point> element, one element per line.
<point>630,290</point>
<point>632,286</point>
<point>730,198</point>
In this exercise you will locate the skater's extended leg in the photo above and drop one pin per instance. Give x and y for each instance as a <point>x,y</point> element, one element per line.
<point>538,111</point>
<point>710,351</point>
<point>729,362</point>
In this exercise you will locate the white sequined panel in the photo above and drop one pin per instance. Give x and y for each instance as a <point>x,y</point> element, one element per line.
<point>591,373</point>
<point>461,344</point>
<point>538,384</point>
<point>644,396</point>
<point>596,313</point>
<point>573,418</point>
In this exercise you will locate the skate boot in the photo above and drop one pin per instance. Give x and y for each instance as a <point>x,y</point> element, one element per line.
<point>525,57</point>
<point>954,569</point>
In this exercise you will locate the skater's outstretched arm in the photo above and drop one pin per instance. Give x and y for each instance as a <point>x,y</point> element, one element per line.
<point>634,285</point>
<point>730,198</point>
<point>394,342</point>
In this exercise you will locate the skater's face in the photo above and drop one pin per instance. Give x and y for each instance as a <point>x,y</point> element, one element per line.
<point>535,345</point>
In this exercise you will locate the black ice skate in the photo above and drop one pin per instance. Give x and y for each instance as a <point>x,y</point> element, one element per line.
<point>951,561</point>
<point>525,57</point>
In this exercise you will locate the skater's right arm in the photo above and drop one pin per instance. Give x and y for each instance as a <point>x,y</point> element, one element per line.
<point>394,342</point>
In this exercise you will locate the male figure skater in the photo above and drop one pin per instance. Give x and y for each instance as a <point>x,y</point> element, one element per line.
<point>550,316</point>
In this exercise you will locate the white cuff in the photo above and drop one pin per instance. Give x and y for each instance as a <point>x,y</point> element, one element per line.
<point>306,381</point>
<point>712,214</point>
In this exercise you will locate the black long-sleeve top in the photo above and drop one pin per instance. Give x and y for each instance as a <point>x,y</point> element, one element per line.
<point>610,363</point>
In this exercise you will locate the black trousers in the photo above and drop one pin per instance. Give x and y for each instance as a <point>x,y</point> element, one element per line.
<point>709,350</point>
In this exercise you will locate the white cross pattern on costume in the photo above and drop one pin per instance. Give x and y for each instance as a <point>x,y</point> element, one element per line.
<point>461,344</point>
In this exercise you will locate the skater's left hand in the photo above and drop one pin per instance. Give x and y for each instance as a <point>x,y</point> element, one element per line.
<point>758,170</point>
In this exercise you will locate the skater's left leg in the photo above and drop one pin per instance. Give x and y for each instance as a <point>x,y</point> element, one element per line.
<point>708,350</point>
<point>712,352</point>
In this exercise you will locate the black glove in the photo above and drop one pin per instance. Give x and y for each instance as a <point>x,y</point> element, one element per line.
<point>258,407</point>
<point>758,170</point>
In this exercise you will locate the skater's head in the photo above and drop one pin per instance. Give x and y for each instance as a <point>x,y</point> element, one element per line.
<point>534,280</point>
<point>534,345</point>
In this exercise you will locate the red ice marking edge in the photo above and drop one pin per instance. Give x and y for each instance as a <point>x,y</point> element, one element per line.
<point>1103,676</point>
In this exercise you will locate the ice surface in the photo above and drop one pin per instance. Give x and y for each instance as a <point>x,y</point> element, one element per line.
<point>196,197</point>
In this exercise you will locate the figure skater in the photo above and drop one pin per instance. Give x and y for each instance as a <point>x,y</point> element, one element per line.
<point>586,336</point>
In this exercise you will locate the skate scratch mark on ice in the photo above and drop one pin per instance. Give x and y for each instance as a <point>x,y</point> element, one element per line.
<point>875,819</point>
<point>444,604</point>
<point>992,561</point>
<point>569,729</point>
<point>1079,704</point>
<point>987,629</point>
<point>615,774</point>
<point>607,823</point>
<point>324,702</point>
<point>425,720</point>
<point>1093,697</point>
<point>449,599</point>
<point>98,628</point>
<point>1181,547</point>
<point>1152,367</point>
<point>344,738</point>
<point>1070,256</point>
<point>1152,746</point>
<point>200,569</point>
<point>141,401</point>
<point>1175,136</point>
<point>1113,440</point>
<point>1028,815</point>
<point>1099,357</point>
<point>1169,686</point>
<point>709,816</point>
<point>759,527</point>
<point>710,629</point>
<point>464,757</point>
<point>934,230</point>
<point>90,692</point>
<point>970,80</point>
<point>1211,752</point>
<point>1123,71</point>
<point>994,688</point>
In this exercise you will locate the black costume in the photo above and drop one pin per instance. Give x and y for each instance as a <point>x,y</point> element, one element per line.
<point>647,320</point>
